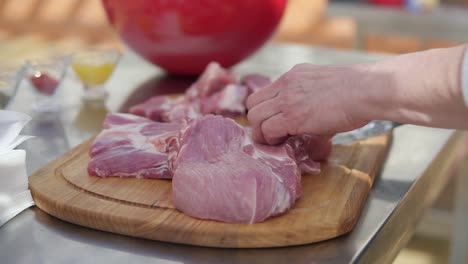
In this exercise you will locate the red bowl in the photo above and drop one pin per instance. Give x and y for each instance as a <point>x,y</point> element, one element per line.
<point>183,36</point>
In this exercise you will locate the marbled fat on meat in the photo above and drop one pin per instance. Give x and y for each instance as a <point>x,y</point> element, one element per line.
<point>308,150</point>
<point>215,92</point>
<point>163,108</point>
<point>230,101</point>
<point>220,174</point>
<point>131,146</point>
<point>213,79</point>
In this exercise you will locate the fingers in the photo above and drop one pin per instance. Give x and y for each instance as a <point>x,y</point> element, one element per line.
<point>262,95</point>
<point>275,129</point>
<point>260,113</point>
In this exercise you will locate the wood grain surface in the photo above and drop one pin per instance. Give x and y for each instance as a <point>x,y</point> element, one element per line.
<point>331,204</point>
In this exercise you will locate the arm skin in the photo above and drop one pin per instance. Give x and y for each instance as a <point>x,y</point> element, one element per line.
<point>422,88</point>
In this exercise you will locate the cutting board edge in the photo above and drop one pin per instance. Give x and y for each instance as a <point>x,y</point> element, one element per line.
<point>49,205</point>
<point>64,211</point>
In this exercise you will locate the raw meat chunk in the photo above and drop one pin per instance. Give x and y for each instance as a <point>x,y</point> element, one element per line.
<point>220,174</point>
<point>215,92</point>
<point>230,101</point>
<point>163,108</point>
<point>308,150</point>
<point>255,82</point>
<point>213,79</point>
<point>131,146</point>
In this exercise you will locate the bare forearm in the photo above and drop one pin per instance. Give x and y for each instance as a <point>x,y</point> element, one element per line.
<point>419,88</point>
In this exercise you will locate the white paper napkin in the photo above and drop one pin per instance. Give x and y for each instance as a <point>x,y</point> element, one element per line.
<point>14,193</point>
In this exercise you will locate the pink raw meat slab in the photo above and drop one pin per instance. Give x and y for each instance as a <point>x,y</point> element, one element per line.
<point>220,174</point>
<point>131,146</point>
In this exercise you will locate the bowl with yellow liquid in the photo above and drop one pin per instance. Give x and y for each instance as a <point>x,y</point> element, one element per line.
<point>94,68</point>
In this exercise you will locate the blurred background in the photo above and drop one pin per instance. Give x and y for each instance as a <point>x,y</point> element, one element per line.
<point>35,28</point>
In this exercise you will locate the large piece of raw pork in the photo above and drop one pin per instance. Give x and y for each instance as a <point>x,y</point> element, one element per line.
<point>220,174</point>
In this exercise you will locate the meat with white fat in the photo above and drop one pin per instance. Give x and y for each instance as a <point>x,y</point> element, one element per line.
<point>215,92</point>
<point>131,146</point>
<point>220,174</point>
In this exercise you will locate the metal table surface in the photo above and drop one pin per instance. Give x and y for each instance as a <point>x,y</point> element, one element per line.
<point>444,23</point>
<point>405,186</point>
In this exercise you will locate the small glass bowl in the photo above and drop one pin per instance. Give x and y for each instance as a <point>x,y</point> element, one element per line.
<point>45,77</point>
<point>94,68</point>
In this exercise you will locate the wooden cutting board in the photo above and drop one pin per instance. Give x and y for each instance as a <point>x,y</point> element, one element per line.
<point>330,206</point>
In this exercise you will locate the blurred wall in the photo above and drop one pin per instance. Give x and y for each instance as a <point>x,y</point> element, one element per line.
<point>304,22</point>
<point>31,28</point>
<point>35,28</point>
<point>355,24</point>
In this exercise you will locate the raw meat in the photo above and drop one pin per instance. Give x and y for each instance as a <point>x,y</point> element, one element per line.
<point>220,174</point>
<point>255,82</point>
<point>308,150</point>
<point>230,101</point>
<point>131,146</point>
<point>116,120</point>
<point>155,108</point>
<point>165,108</point>
<point>215,92</point>
<point>213,79</point>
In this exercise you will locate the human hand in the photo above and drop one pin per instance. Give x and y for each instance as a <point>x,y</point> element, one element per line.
<point>309,99</point>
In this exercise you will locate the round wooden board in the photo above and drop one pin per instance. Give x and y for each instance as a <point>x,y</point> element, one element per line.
<point>330,206</point>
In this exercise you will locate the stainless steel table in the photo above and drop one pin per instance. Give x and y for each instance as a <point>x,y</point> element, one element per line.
<point>414,172</point>
<point>444,23</point>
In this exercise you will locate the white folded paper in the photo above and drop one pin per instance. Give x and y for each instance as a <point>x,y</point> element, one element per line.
<point>14,193</point>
